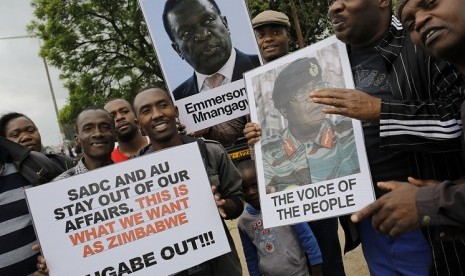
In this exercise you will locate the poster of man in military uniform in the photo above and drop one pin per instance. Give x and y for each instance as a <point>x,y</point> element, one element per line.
<point>304,153</point>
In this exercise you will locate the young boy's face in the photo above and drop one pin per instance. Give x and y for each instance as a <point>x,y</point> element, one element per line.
<point>249,186</point>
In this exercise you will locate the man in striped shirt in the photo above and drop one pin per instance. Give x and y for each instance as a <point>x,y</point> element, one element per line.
<point>439,29</point>
<point>95,133</point>
<point>410,111</point>
<point>16,232</point>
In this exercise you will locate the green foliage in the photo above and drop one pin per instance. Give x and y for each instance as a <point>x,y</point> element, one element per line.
<point>311,14</point>
<point>394,6</point>
<point>102,48</point>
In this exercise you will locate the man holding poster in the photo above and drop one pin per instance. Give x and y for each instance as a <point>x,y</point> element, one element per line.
<point>409,103</point>
<point>272,34</point>
<point>157,115</point>
<point>314,147</point>
<point>139,201</point>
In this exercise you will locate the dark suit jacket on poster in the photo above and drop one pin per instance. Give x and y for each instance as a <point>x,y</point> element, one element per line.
<point>244,63</point>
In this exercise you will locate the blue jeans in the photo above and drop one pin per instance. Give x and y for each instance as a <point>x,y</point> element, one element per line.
<point>408,254</point>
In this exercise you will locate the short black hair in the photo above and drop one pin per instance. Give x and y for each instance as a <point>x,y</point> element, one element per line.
<point>123,99</point>
<point>170,5</point>
<point>161,87</point>
<point>92,107</point>
<point>6,118</point>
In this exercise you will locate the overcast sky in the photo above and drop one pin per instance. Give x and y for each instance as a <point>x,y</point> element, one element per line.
<point>23,81</point>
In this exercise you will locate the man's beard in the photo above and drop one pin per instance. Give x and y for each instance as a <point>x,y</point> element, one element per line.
<point>128,136</point>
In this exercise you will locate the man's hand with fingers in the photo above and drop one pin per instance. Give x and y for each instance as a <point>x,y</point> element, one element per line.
<point>422,182</point>
<point>394,212</point>
<point>219,202</point>
<point>348,102</point>
<point>41,264</point>
<point>252,132</point>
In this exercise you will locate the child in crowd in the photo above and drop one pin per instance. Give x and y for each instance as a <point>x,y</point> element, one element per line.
<point>283,250</point>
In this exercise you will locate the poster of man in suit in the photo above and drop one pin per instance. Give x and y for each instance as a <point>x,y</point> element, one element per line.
<point>203,46</point>
<point>310,165</point>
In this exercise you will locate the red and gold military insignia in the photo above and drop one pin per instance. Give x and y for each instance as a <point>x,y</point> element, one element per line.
<point>289,147</point>
<point>327,138</point>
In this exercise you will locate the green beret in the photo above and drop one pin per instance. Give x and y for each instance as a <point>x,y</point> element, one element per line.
<point>297,75</point>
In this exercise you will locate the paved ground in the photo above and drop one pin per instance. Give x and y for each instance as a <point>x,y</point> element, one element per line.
<point>354,263</point>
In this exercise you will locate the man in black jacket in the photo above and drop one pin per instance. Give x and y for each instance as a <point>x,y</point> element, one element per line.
<point>439,29</point>
<point>157,115</point>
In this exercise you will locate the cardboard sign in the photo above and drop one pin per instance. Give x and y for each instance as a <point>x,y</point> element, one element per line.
<point>152,215</point>
<point>195,41</point>
<point>310,165</point>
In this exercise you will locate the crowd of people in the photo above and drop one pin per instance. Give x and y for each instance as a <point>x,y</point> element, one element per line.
<point>409,76</point>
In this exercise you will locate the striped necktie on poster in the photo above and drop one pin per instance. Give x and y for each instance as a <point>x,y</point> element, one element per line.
<point>214,80</point>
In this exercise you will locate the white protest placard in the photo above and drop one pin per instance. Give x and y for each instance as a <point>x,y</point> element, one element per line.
<point>203,110</point>
<point>197,39</point>
<point>152,215</point>
<point>310,165</point>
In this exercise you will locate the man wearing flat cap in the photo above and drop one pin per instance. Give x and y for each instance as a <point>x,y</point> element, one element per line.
<point>314,147</point>
<point>272,33</point>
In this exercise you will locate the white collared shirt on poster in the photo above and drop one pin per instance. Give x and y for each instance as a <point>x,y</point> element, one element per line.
<point>226,71</point>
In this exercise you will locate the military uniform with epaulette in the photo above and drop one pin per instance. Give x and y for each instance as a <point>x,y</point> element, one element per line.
<point>288,162</point>
<point>332,153</point>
